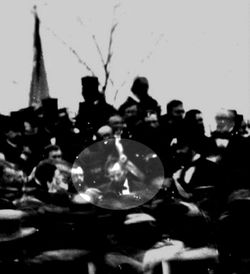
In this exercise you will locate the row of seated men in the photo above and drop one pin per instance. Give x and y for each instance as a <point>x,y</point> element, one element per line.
<point>203,198</point>
<point>50,226</point>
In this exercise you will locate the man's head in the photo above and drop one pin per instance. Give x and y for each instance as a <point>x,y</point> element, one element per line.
<point>116,123</point>
<point>13,131</point>
<point>10,174</point>
<point>115,171</point>
<point>175,110</point>
<point>194,121</point>
<point>183,150</point>
<point>140,87</point>
<point>49,176</point>
<point>45,172</point>
<point>225,120</point>
<point>152,120</point>
<point>105,132</point>
<point>52,152</point>
<point>90,88</point>
<point>130,111</point>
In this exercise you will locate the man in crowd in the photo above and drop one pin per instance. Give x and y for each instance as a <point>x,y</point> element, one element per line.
<point>172,121</point>
<point>52,152</point>
<point>146,103</point>
<point>94,111</point>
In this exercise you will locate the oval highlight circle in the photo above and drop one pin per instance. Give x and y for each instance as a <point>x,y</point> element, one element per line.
<point>117,174</point>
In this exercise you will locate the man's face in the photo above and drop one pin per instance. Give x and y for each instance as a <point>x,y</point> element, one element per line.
<point>11,175</point>
<point>57,182</point>
<point>152,120</point>
<point>116,122</point>
<point>224,122</point>
<point>77,174</point>
<point>200,124</point>
<point>58,176</point>
<point>199,118</point>
<point>55,155</point>
<point>116,174</point>
<point>131,111</point>
<point>178,112</point>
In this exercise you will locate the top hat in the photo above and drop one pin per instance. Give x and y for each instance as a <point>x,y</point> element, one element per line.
<point>90,81</point>
<point>10,226</point>
<point>50,107</point>
<point>4,120</point>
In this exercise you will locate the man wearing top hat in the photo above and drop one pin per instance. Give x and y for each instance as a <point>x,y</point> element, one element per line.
<point>94,111</point>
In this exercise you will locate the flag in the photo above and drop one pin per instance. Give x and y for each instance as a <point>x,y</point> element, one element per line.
<point>39,86</point>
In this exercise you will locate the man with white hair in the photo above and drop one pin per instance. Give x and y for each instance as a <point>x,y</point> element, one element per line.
<point>232,153</point>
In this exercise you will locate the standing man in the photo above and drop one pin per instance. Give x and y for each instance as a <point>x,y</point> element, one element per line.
<point>146,102</point>
<point>94,111</point>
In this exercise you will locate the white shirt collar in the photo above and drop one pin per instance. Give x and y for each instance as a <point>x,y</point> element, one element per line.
<point>126,186</point>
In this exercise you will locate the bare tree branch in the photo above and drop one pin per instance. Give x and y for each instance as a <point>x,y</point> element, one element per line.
<point>114,26</point>
<point>110,53</point>
<point>94,40</point>
<point>116,93</point>
<point>148,56</point>
<point>82,62</point>
<point>105,64</point>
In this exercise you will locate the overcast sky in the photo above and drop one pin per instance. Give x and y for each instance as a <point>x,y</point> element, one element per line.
<point>195,50</point>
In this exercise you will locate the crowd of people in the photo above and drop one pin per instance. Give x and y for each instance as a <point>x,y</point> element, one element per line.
<point>196,222</point>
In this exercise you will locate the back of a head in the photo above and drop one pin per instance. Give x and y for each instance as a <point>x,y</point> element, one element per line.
<point>194,123</point>
<point>190,115</point>
<point>140,86</point>
<point>90,87</point>
<point>45,171</point>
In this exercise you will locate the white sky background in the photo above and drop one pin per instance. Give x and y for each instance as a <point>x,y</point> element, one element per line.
<point>201,57</point>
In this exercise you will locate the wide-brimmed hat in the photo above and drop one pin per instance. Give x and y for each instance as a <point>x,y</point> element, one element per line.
<point>10,226</point>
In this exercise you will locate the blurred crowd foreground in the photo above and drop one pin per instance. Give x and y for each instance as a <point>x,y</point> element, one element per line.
<point>194,217</point>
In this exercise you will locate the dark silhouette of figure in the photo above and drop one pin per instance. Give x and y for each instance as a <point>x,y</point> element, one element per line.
<point>196,178</point>
<point>194,127</point>
<point>94,111</point>
<point>11,143</point>
<point>233,234</point>
<point>132,117</point>
<point>172,121</point>
<point>146,103</point>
